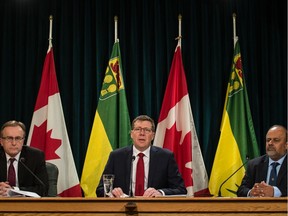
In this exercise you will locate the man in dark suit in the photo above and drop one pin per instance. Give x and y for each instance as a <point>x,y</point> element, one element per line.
<point>257,177</point>
<point>12,139</point>
<point>161,171</point>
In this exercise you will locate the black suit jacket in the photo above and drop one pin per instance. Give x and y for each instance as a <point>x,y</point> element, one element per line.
<point>163,171</point>
<point>34,159</point>
<point>257,172</point>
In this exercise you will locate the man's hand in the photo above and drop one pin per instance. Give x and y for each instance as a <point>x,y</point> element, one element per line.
<point>262,190</point>
<point>152,192</point>
<point>4,188</point>
<point>117,192</point>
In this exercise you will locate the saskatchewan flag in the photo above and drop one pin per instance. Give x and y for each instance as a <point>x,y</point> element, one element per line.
<point>237,140</point>
<point>111,127</point>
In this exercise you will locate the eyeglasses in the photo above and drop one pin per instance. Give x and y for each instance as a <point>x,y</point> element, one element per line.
<point>139,129</point>
<point>10,139</point>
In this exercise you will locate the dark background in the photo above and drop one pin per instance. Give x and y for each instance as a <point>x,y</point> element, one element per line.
<point>83,35</point>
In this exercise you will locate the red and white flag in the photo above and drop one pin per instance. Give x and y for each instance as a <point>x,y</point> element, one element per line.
<point>176,130</point>
<point>48,131</point>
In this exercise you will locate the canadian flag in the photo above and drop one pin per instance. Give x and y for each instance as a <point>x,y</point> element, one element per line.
<point>48,131</point>
<point>176,130</point>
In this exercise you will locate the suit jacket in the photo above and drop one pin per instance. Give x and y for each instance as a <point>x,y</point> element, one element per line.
<point>163,171</point>
<point>34,159</point>
<point>257,172</point>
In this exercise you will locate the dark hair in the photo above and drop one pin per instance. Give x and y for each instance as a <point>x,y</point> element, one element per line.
<point>13,123</point>
<point>144,118</point>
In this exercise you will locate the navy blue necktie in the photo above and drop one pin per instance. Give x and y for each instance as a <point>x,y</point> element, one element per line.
<point>273,174</point>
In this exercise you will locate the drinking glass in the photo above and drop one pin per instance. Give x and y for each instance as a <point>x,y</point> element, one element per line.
<point>108,180</point>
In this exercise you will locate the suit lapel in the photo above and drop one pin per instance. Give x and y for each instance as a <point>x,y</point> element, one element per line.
<point>283,170</point>
<point>128,167</point>
<point>263,169</point>
<point>3,165</point>
<point>153,162</point>
<point>21,169</point>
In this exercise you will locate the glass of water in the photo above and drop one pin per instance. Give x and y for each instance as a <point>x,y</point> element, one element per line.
<point>108,180</point>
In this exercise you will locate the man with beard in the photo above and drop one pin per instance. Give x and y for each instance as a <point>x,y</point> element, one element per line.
<point>266,176</point>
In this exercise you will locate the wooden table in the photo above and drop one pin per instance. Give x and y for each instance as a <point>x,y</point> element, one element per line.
<point>143,206</point>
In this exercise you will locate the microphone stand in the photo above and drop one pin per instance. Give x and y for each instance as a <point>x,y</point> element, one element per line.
<point>131,206</point>
<point>22,160</point>
<point>131,177</point>
<point>219,192</point>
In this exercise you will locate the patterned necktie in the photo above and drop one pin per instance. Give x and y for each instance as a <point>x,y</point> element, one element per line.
<point>11,173</point>
<point>273,174</point>
<point>139,186</point>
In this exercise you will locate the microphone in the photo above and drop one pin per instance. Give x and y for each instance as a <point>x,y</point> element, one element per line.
<point>131,176</point>
<point>22,160</point>
<point>219,192</point>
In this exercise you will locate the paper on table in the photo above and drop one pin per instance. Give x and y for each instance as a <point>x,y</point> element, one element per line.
<point>16,192</point>
<point>175,195</point>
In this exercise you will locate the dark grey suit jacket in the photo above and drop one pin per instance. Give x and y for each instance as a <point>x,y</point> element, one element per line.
<point>257,172</point>
<point>163,171</point>
<point>34,159</point>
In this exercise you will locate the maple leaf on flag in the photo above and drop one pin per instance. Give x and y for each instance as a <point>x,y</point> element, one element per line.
<point>51,144</point>
<point>172,142</point>
<point>169,143</point>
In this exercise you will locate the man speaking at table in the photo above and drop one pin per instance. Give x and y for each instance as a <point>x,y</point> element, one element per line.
<point>143,169</point>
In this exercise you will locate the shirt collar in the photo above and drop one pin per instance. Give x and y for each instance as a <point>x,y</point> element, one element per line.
<point>16,157</point>
<point>146,152</point>
<point>280,161</point>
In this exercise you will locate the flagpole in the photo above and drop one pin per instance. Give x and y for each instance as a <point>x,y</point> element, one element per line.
<point>179,30</point>
<point>235,38</point>
<point>115,28</point>
<point>50,33</point>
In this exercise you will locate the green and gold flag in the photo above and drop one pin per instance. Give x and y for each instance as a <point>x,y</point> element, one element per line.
<point>237,139</point>
<point>111,127</point>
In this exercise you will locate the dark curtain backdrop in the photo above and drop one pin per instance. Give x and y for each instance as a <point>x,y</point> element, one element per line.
<point>83,35</point>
